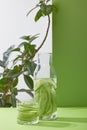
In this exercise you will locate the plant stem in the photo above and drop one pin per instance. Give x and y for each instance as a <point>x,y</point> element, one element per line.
<point>47,31</point>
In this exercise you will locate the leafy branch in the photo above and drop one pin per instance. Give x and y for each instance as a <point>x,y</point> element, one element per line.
<point>23,62</point>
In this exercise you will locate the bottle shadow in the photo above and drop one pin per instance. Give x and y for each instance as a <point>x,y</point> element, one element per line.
<point>56,123</point>
<point>62,122</point>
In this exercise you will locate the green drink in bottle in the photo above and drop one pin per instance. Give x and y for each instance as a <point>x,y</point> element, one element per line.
<point>45,95</point>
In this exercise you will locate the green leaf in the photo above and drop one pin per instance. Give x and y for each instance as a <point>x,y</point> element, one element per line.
<point>22,44</point>
<point>2,103</point>
<point>6,55</point>
<point>16,49</point>
<point>27,38</point>
<point>47,1</point>
<point>30,67</point>
<point>49,9</point>
<point>2,87</point>
<point>38,15</point>
<point>5,73</point>
<point>28,80</point>
<point>2,64</point>
<point>14,91</point>
<point>43,8</point>
<point>1,95</point>
<point>15,72</point>
<point>19,57</point>
<point>32,38</point>
<point>42,1</point>
<point>3,83</point>
<point>8,101</point>
<point>13,99</point>
<point>29,49</point>
<point>15,82</point>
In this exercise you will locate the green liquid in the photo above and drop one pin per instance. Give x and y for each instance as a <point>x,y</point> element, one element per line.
<point>27,113</point>
<point>45,95</point>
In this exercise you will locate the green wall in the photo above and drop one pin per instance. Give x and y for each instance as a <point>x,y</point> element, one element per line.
<point>70,51</point>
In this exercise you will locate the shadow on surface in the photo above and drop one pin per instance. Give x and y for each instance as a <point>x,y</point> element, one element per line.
<point>72,119</point>
<point>62,122</point>
<point>55,123</point>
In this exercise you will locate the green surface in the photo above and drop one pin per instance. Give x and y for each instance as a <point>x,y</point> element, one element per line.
<point>70,51</point>
<point>69,119</point>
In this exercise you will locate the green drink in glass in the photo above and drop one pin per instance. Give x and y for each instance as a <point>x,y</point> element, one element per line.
<point>28,113</point>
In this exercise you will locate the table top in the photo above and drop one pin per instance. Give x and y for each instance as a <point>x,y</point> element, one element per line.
<point>68,119</point>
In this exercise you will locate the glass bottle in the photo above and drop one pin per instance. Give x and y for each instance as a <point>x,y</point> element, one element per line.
<point>45,84</point>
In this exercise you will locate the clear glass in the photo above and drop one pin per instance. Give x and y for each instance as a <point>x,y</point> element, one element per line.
<point>45,84</point>
<point>28,113</point>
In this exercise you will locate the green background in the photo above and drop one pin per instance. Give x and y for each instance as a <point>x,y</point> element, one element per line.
<point>70,51</point>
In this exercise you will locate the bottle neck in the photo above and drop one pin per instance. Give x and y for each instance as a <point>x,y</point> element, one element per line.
<point>44,64</point>
<point>45,59</point>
